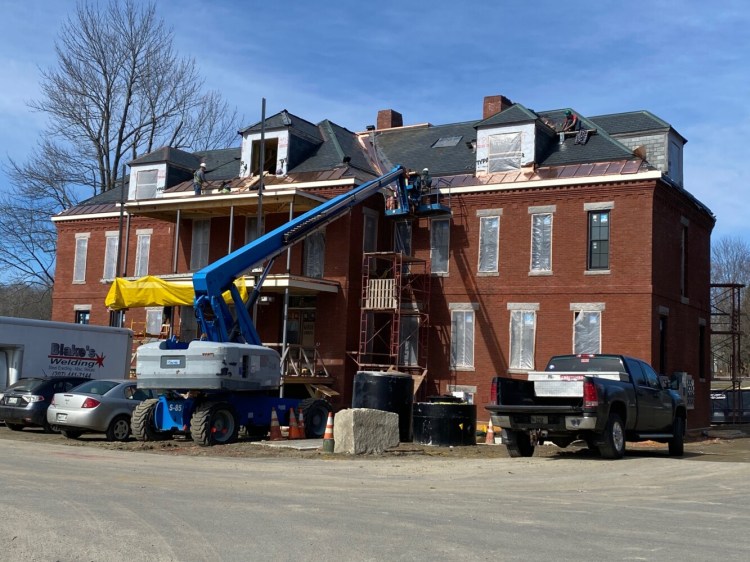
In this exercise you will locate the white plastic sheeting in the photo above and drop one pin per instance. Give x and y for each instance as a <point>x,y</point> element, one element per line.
<point>505,152</point>
<point>541,242</point>
<point>462,338</point>
<point>522,334</point>
<point>315,249</point>
<point>587,332</point>
<point>489,232</point>
<point>439,245</point>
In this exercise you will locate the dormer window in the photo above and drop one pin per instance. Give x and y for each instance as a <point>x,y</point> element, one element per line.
<point>145,187</point>
<point>505,152</point>
<point>270,156</point>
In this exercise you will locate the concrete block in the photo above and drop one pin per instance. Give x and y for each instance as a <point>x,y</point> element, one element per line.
<point>358,431</point>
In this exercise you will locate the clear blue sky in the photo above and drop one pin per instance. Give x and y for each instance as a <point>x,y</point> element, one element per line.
<point>434,61</point>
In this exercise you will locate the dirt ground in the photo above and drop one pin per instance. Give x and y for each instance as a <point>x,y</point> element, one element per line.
<point>722,444</point>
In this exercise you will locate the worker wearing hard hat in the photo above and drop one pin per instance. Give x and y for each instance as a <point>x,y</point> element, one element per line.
<point>199,178</point>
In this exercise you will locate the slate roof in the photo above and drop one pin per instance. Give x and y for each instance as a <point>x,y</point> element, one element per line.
<point>412,147</point>
<point>336,144</point>
<point>516,113</point>
<point>173,156</point>
<point>221,164</point>
<point>286,120</point>
<point>632,122</point>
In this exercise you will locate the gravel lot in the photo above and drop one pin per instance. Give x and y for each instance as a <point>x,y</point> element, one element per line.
<point>730,444</point>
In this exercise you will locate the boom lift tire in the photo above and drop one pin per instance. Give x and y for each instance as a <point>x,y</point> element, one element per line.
<point>214,423</point>
<point>612,444</point>
<point>677,443</point>
<point>518,443</point>
<point>142,423</point>
<point>316,417</point>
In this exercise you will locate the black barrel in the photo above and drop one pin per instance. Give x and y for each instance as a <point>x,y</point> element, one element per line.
<point>445,424</point>
<point>391,392</point>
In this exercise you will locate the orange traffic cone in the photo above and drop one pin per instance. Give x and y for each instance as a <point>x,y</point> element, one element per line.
<point>328,442</point>
<point>293,429</point>
<point>275,429</point>
<point>490,437</point>
<point>301,425</point>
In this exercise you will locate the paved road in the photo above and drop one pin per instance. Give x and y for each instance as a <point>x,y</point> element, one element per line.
<point>85,503</point>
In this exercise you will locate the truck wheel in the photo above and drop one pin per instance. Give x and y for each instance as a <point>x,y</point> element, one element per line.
<point>316,417</point>
<point>612,445</point>
<point>143,425</point>
<point>119,429</point>
<point>14,426</point>
<point>214,424</point>
<point>677,443</point>
<point>518,443</point>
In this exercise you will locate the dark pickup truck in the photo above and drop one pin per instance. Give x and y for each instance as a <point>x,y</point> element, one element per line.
<point>604,400</point>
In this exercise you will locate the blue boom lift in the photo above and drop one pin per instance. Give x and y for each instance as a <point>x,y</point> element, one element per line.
<point>229,379</point>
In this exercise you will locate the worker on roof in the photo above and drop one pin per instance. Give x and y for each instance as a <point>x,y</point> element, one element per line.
<point>199,178</point>
<point>571,121</point>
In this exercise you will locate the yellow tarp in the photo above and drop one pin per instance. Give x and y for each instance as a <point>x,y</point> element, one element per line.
<point>153,291</point>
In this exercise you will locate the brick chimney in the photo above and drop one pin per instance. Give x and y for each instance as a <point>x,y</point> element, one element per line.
<point>388,119</point>
<point>495,104</point>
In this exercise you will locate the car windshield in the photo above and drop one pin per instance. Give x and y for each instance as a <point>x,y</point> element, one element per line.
<point>586,363</point>
<point>25,385</point>
<point>96,387</point>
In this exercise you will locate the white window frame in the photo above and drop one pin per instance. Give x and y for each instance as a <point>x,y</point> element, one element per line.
<point>582,312</point>
<point>81,254</point>
<point>510,157</point>
<point>142,252</point>
<point>200,244</point>
<point>111,242</point>
<point>540,264</point>
<point>314,255</point>
<point>146,190</point>
<point>461,312</point>
<point>154,320</point>
<point>445,245</point>
<point>485,216</point>
<point>523,359</point>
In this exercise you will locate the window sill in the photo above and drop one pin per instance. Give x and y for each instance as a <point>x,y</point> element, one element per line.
<point>79,282</point>
<point>597,272</point>
<point>684,300</point>
<point>539,273</point>
<point>462,368</point>
<point>439,273</point>
<point>519,371</point>
<point>488,274</point>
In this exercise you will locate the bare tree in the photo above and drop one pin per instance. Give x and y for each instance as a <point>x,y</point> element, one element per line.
<point>118,91</point>
<point>730,264</point>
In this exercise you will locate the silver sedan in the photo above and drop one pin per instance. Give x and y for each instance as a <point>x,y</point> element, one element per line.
<point>97,406</point>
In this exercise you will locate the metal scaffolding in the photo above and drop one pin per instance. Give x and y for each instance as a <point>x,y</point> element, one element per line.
<point>726,337</point>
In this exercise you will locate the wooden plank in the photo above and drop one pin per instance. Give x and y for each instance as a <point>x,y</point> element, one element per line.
<point>418,379</point>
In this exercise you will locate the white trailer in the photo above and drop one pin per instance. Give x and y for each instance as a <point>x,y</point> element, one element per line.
<point>40,348</point>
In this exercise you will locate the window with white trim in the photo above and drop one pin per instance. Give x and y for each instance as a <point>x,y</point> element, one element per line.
<point>142,250</point>
<point>200,244</point>
<point>462,338</point>
<point>505,152</point>
<point>145,184</point>
<point>154,320</point>
<point>587,331</point>
<point>541,242</point>
<point>522,338</point>
<point>489,240</point>
<point>110,255</point>
<point>79,262</point>
<point>440,244</point>
<point>314,255</point>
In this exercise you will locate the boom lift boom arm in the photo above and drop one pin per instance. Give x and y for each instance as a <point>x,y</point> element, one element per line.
<point>215,316</point>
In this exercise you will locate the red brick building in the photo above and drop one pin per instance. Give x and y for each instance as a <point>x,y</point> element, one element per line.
<point>566,234</point>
